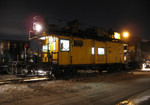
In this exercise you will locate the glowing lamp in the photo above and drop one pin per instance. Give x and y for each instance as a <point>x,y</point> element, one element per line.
<point>126,34</point>
<point>37,27</point>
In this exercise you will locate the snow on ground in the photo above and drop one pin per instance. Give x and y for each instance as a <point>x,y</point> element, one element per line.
<point>8,77</point>
<point>12,94</point>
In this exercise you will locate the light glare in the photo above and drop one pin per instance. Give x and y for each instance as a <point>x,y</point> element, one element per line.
<point>38,27</point>
<point>117,35</point>
<point>144,67</point>
<point>126,34</point>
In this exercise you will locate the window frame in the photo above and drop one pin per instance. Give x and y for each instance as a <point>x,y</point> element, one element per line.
<point>60,45</point>
<point>98,50</point>
<point>46,46</point>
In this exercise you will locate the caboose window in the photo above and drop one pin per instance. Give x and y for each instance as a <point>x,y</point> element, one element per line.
<point>54,46</point>
<point>45,48</point>
<point>101,51</point>
<point>64,45</point>
<point>93,51</point>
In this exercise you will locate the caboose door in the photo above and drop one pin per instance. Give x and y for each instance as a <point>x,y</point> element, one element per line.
<point>50,49</point>
<point>54,51</point>
<point>64,51</point>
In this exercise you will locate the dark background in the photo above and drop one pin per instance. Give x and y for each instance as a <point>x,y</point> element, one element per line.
<point>121,15</point>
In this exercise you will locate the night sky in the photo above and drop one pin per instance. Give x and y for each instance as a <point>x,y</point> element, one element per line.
<point>121,15</point>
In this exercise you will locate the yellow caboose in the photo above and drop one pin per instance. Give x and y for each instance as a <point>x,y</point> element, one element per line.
<point>70,51</point>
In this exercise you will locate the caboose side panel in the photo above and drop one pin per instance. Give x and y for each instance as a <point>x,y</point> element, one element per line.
<point>69,51</point>
<point>119,52</point>
<point>81,51</point>
<point>114,52</point>
<point>110,52</point>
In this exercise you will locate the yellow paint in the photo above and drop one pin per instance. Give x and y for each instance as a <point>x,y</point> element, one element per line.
<point>83,55</point>
<point>114,52</point>
<point>64,56</point>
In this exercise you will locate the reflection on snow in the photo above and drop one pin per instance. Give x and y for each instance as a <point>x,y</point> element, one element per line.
<point>126,102</point>
<point>35,79</point>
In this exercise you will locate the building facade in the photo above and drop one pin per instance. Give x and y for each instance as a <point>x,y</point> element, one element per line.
<point>11,50</point>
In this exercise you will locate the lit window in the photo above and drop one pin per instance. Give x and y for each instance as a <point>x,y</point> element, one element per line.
<point>92,50</point>
<point>101,51</point>
<point>64,45</point>
<point>45,48</point>
<point>54,45</point>
<point>116,35</point>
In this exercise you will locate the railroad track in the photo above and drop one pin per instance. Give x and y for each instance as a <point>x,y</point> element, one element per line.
<point>80,74</point>
<point>24,80</point>
<point>17,79</point>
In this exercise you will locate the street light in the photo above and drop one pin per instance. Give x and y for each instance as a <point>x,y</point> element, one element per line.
<point>37,27</point>
<point>126,34</point>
